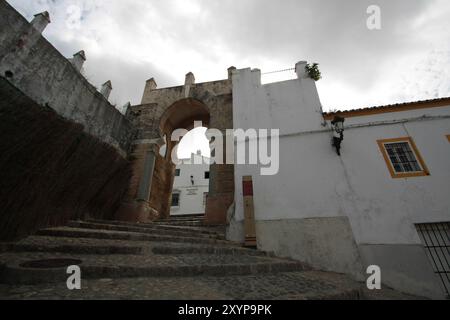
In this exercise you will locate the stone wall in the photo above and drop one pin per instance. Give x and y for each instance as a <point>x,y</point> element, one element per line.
<point>161,112</point>
<point>51,171</point>
<point>34,66</point>
<point>161,193</point>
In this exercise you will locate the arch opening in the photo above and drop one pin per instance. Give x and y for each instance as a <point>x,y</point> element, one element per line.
<point>183,114</point>
<point>190,188</point>
<point>182,189</point>
<point>164,111</point>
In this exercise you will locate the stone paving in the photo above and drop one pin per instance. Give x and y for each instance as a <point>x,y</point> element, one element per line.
<point>295,285</point>
<point>124,261</point>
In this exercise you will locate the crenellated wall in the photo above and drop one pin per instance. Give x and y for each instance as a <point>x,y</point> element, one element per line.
<point>34,66</point>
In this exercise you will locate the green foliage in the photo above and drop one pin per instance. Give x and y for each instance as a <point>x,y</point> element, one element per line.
<point>313,71</point>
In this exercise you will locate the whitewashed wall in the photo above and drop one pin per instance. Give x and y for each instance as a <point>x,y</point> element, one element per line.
<point>191,196</point>
<point>342,213</point>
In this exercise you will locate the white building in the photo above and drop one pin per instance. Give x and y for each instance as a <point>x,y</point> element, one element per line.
<point>385,201</point>
<point>191,186</point>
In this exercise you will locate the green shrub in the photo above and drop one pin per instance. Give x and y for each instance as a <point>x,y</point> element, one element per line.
<point>313,71</point>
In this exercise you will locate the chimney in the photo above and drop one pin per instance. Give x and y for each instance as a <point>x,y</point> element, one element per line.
<point>300,69</point>
<point>40,21</point>
<point>78,60</point>
<point>190,79</point>
<point>106,89</point>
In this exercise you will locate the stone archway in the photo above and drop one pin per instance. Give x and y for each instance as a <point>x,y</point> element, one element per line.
<point>162,111</point>
<point>182,115</point>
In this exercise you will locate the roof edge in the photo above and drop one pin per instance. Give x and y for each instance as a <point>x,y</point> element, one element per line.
<point>407,106</point>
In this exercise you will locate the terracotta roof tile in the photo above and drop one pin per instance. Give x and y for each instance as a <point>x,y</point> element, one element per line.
<point>440,102</point>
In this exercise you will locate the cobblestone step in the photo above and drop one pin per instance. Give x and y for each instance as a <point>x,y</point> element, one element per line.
<point>153,226</point>
<point>5,246</point>
<point>121,235</point>
<point>181,223</point>
<point>213,250</point>
<point>104,247</point>
<point>185,218</point>
<point>146,262</point>
<point>17,269</point>
<point>309,285</point>
<point>130,228</point>
<point>80,249</point>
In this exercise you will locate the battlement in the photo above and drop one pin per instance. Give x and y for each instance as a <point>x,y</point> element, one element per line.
<point>33,65</point>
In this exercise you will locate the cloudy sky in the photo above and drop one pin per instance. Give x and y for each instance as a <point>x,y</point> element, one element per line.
<point>131,41</point>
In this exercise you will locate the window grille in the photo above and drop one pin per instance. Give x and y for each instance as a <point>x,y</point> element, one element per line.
<point>402,157</point>
<point>436,239</point>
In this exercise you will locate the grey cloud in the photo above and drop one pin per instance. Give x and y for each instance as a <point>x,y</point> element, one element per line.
<point>330,32</point>
<point>128,78</point>
<point>333,33</point>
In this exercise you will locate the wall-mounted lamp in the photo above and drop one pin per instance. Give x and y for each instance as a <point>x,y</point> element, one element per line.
<point>192,180</point>
<point>338,133</point>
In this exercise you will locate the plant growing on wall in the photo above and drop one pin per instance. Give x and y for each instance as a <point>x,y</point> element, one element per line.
<point>313,71</point>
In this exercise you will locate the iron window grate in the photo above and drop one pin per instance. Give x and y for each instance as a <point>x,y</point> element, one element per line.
<point>436,240</point>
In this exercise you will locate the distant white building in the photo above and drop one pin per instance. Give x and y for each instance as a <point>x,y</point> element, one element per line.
<point>191,186</point>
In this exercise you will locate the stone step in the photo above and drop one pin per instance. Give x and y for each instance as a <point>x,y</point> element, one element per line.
<point>184,218</point>
<point>181,223</point>
<point>306,285</point>
<point>5,246</point>
<point>121,235</point>
<point>105,247</point>
<point>150,225</point>
<point>19,273</point>
<point>77,249</point>
<point>169,221</point>
<point>137,228</point>
<point>213,250</point>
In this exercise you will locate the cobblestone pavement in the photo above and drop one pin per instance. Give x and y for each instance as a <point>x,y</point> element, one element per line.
<point>128,265</point>
<point>141,260</point>
<point>285,286</point>
<point>294,285</point>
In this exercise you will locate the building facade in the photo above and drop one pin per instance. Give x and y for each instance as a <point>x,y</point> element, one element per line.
<point>191,186</point>
<point>384,201</point>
